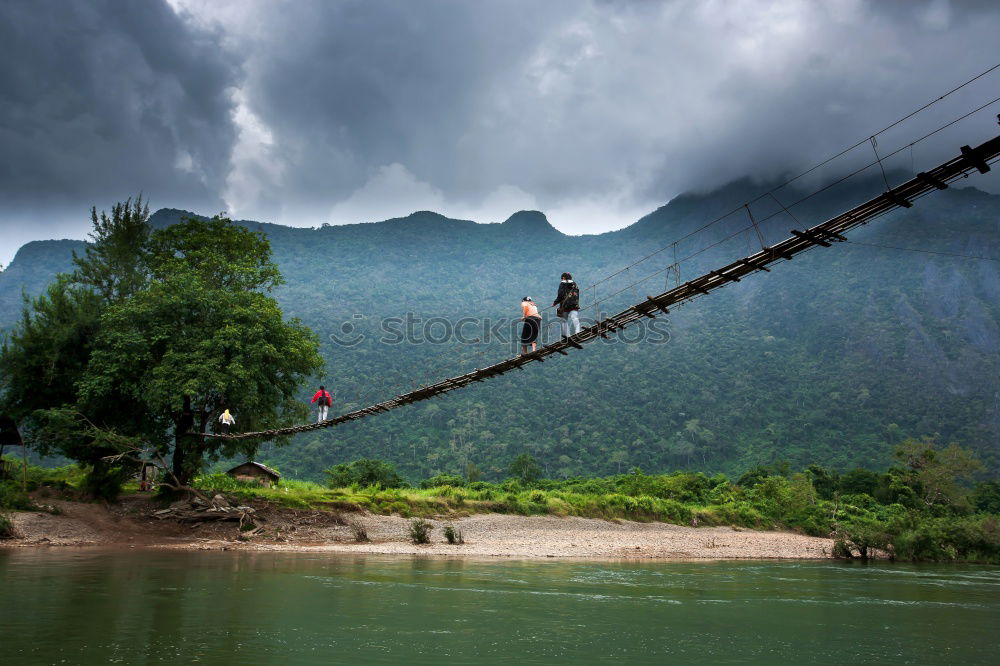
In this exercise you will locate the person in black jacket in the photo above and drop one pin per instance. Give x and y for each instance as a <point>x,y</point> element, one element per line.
<point>568,305</point>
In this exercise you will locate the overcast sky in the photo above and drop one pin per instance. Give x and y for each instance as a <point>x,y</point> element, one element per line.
<point>322,111</point>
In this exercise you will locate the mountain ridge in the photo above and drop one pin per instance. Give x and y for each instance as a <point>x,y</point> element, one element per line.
<point>829,358</point>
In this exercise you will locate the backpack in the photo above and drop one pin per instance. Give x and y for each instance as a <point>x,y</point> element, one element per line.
<point>324,400</point>
<point>572,299</point>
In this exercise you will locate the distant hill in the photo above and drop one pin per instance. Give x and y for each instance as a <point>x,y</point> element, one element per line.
<point>32,268</point>
<point>829,358</point>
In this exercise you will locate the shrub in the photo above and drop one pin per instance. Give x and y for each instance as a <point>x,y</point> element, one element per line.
<point>11,497</point>
<point>420,531</point>
<point>812,520</point>
<point>673,511</point>
<point>683,487</point>
<point>587,486</point>
<point>723,492</point>
<point>986,497</point>
<point>969,539</point>
<point>771,496</point>
<point>860,482</point>
<point>865,537</point>
<point>510,486</point>
<point>558,506</point>
<point>753,477</point>
<point>825,482</point>
<point>443,480</point>
<point>359,530</point>
<point>453,536</point>
<point>861,501</point>
<point>511,504</point>
<point>363,473</point>
<point>537,496</point>
<point>104,482</point>
<point>737,513</point>
<point>7,530</point>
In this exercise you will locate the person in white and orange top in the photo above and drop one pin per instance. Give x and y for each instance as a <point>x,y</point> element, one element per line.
<point>532,324</point>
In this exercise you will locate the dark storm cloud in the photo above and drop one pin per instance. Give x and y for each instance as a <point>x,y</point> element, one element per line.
<point>103,99</point>
<point>594,112</point>
<point>349,87</point>
<point>339,111</point>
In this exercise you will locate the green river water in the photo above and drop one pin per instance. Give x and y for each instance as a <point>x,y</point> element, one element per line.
<point>140,607</point>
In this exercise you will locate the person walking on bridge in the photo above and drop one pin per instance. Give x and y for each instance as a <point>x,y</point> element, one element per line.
<point>568,305</point>
<point>323,400</point>
<point>532,324</point>
<point>227,420</point>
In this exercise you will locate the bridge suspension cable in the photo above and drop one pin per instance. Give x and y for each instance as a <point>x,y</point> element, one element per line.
<point>823,234</point>
<point>675,267</point>
<point>823,163</point>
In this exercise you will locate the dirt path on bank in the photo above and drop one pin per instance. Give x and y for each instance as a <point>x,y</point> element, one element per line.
<point>131,523</point>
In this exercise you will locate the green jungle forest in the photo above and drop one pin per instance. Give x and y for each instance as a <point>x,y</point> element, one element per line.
<point>832,359</point>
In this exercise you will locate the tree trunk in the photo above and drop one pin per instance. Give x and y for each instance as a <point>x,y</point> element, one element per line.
<point>186,455</point>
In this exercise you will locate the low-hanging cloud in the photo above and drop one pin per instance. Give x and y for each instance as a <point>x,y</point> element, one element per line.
<point>595,112</point>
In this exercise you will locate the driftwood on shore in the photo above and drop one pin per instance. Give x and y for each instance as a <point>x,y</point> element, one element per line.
<point>198,510</point>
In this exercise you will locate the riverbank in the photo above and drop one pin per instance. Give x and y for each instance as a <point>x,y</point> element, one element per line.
<point>133,523</point>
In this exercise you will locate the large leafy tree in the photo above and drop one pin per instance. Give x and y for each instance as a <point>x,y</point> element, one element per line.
<point>936,476</point>
<point>43,359</point>
<point>115,263</point>
<point>203,336</point>
<point>47,354</point>
<point>150,337</point>
<point>525,468</point>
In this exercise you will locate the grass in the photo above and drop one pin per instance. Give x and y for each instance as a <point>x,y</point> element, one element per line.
<point>289,494</point>
<point>458,502</point>
<point>65,478</point>
<point>857,521</point>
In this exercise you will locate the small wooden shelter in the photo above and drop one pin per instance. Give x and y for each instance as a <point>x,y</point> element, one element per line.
<point>255,471</point>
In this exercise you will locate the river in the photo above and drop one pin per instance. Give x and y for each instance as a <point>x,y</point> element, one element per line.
<point>149,607</point>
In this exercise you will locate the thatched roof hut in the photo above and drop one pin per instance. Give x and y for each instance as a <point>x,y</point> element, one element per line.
<point>255,471</point>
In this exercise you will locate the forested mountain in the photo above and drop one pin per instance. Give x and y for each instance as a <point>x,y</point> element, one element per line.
<point>826,359</point>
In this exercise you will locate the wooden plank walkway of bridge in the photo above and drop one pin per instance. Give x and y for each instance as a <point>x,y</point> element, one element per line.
<point>822,235</point>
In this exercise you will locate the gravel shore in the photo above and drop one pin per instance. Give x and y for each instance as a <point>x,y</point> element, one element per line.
<point>526,537</point>
<point>485,535</point>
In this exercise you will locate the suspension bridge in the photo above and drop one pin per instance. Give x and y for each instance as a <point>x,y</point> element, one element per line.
<point>825,234</point>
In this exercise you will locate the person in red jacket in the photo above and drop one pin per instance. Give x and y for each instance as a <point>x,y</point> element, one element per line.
<point>323,400</point>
